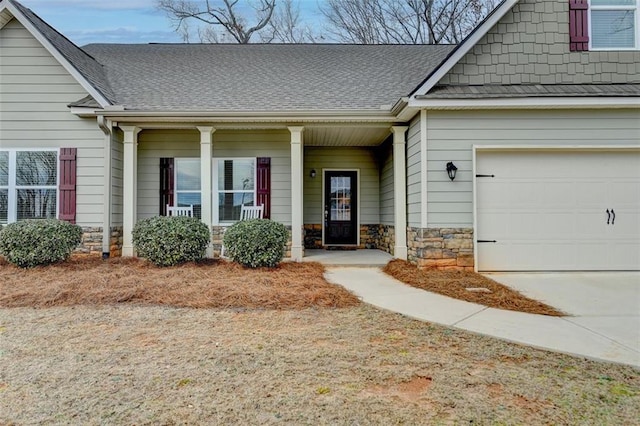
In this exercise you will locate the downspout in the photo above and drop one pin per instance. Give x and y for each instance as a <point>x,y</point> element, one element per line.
<point>106,126</point>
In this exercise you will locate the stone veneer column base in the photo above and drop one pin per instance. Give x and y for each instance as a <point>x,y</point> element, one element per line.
<point>372,236</point>
<point>441,248</point>
<point>91,242</point>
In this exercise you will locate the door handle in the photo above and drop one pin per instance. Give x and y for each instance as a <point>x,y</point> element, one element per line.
<point>613,219</point>
<point>608,216</point>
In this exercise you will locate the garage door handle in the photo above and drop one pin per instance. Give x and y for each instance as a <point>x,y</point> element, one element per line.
<point>613,219</point>
<point>486,241</point>
<point>608,216</point>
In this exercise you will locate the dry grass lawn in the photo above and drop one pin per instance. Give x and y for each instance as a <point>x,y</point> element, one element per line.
<point>156,365</point>
<point>117,342</point>
<point>455,283</point>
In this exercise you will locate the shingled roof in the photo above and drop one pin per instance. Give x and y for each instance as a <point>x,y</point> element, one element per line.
<point>264,77</point>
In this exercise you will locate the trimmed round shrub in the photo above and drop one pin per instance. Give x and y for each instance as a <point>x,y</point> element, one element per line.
<point>255,243</point>
<point>33,242</point>
<point>170,240</point>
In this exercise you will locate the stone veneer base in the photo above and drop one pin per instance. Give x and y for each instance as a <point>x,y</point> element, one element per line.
<point>441,248</point>
<point>91,242</point>
<point>372,236</point>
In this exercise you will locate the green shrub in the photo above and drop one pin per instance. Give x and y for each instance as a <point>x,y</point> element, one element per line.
<point>33,242</point>
<point>255,243</point>
<point>169,240</point>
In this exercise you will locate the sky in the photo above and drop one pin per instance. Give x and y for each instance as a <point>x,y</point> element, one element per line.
<point>118,21</point>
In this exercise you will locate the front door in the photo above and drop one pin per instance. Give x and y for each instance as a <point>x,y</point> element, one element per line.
<point>340,207</point>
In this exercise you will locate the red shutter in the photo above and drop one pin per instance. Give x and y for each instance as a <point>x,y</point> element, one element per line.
<point>263,185</point>
<point>67,186</point>
<point>578,25</point>
<point>166,184</point>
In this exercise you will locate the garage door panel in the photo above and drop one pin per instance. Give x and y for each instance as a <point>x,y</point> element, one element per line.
<point>548,210</point>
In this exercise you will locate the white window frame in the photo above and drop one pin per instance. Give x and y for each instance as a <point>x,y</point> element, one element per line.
<point>635,7</point>
<point>177,160</point>
<point>12,187</point>
<point>216,190</point>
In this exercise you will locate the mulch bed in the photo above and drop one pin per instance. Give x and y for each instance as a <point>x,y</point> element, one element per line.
<point>455,284</point>
<point>88,280</point>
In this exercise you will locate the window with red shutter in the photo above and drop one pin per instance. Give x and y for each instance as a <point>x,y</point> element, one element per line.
<point>67,185</point>
<point>263,185</point>
<point>578,25</point>
<point>166,184</point>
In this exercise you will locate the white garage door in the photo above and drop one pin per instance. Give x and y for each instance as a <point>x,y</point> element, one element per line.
<point>558,210</point>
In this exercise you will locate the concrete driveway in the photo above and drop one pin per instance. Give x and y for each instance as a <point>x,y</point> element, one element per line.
<point>605,303</point>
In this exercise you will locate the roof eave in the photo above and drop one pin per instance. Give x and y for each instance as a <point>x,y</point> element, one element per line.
<point>250,116</point>
<point>574,102</point>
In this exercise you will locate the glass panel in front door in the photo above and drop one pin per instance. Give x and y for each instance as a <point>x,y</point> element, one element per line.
<point>340,198</point>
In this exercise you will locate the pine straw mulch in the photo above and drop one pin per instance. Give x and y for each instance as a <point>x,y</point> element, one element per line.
<point>88,280</point>
<point>455,283</point>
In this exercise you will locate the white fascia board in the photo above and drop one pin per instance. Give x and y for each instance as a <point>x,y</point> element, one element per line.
<point>250,116</point>
<point>57,55</point>
<point>465,47</point>
<point>524,103</point>
<point>84,112</point>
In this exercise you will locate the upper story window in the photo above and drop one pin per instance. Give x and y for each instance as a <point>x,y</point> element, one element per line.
<point>615,24</point>
<point>28,185</point>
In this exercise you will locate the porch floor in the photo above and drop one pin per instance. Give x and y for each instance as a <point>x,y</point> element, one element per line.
<point>361,257</point>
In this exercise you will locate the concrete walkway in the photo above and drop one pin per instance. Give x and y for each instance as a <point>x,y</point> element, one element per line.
<point>566,335</point>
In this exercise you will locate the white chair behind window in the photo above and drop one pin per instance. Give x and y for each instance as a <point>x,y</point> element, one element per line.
<point>180,211</point>
<point>248,213</point>
<point>251,212</point>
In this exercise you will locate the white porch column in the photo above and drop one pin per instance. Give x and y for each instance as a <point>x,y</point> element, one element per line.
<point>400,191</point>
<point>206,159</point>
<point>129,187</point>
<point>297,248</point>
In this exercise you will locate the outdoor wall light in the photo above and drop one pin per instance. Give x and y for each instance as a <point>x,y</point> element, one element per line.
<point>451,170</point>
<point>313,173</point>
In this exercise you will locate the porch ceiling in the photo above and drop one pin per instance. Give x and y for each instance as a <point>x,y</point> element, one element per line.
<point>346,135</point>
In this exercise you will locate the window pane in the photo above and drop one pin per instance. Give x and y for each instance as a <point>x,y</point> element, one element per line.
<point>188,174</point>
<point>234,175</point>
<point>4,205</point>
<point>36,168</point>
<point>4,168</point>
<point>613,28</point>
<point>190,198</point>
<point>36,203</point>
<point>230,205</point>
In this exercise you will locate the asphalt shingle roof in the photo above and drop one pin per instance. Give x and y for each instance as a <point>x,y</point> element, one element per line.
<point>264,77</point>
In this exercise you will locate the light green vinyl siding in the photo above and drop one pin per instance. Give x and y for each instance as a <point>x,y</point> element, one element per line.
<point>116,177</point>
<point>386,185</point>
<point>34,93</point>
<point>452,134</point>
<point>530,45</point>
<point>156,144</point>
<point>362,159</point>
<point>414,174</point>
